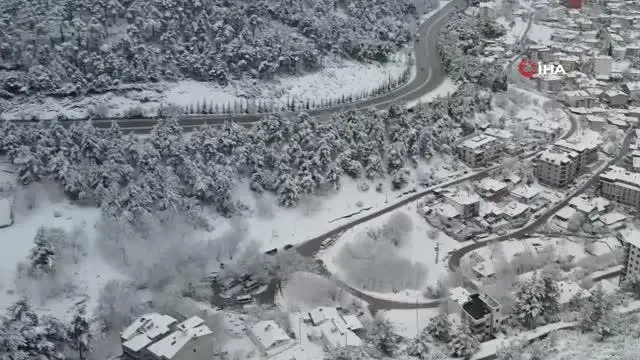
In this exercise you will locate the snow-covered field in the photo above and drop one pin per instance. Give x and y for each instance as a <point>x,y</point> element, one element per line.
<point>89,275</point>
<point>418,249</point>
<point>409,323</point>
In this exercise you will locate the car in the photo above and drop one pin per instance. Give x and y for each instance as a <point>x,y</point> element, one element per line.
<point>271,252</point>
<point>501,232</point>
<point>288,247</point>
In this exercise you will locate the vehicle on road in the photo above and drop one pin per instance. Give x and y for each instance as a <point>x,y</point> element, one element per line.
<point>251,285</point>
<point>501,232</point>
<point>326,243</point>
<point>272,251</point>
<point>288,247</point>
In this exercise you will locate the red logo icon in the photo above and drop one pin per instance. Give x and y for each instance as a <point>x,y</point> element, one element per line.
<point>527,68</point>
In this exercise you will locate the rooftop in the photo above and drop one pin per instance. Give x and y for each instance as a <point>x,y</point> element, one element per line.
<point>621,175</point>
<point>490,184</point>
<point>477,308</point>
<point>478,141</point>
<point>557,157</point>
<point>527,192</point>
<point>268,333</point>
<point>499,133</point>
<point>459,295</point>
<point>463,197</point>
<point>569,289</point>
<point>152,325</point>
<point>514,209</point>
<point>168,347</point>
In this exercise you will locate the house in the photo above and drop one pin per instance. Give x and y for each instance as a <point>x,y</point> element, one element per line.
<point>586,148</point>
<point>484,270</point>
<point>635,163</point>
<point>565,214</point>
<point>191,340</point>
<point>538,52</point>
<point>617,122</point>
<point>489,187</point>
<point>500,134</point>
<point>157,337</point>
<point>269,338</point>
<point>479,150</point>
<point>570,290</point>
<point>445,212</point>
<point>332,329</point>
<point>6,212</point>
<point>465,203</point>
<point>632,89</point>
<point>526,194</point>
<point>612,221</point>
<point>583,205</point>
<point>482,314</point>
<point>596,123</point>
<point>546,130</point>
<point>576,98</point>
<point>516,211</point>
<point>615,98</point>
<point>569,62</point>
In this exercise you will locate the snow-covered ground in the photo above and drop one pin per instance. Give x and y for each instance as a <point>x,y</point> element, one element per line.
<point>540,33</point>
<point>409,323</point>
<point>515,32</point>
<point>89,275</point>
<point>419,249</point>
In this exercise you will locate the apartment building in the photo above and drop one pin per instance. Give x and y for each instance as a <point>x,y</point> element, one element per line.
<point>620,185</point>
<point>159,337</point>
<point>482,314</point>
<point>466,204</point>
<point>556,167</point>
<point>631,258</point>
<point>479,150</point>
<point>585,147</point>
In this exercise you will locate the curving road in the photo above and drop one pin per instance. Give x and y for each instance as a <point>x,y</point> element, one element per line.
<point>429,75</point>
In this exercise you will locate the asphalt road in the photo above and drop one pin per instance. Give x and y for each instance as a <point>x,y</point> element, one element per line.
<point>429,75</point>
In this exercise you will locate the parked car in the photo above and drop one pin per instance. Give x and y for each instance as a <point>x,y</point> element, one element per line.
<point>288,247</point>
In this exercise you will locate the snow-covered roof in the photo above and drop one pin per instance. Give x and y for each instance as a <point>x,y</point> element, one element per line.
<point>499,133</point>
<point>459,295</point>
<point>595,118</point>
<point>557,157</point>
<point>478,141</point>
<point>137,342</point>
<point>566,213</point>
<point>5,212</point>
<point>633,86</point>
<point>322,313</point>
<point>446,210</point>
<point>622,176</point>
<point>526,192</point>
<point>352,322</point>
<point>636,162</point>
<point>485,269</point>
<point>269,334</point>
<point>168,347</point>
<point>568,289</point>
<point>582,204</point>
<point>576,94</point>
<point>336,334</point>
<point>152,325</point>
<point>588,140</point>
<point>492,185</point>
<point>606,285</point>
<point>612,218</point>
<point>515,209</point>
<point>463,197</point>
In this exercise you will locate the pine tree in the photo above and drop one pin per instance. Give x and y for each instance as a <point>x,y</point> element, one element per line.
<point>308,105</point>
<point>43,254</point>
<point>463,344</point>
<point>440,328</point>
<point>381,335</point>
<point>80,334</point>
<point>203,109</point>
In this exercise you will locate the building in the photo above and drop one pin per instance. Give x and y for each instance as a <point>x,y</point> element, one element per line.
<point>465,203</point>
<point>596,123</point>
<point>269,338</point>
<point>556,167</point>
<point>481,313</point>
<point>631,259</point>
<point>479,150</point>
<point>489,187</point>
<point>620,185</point>
<point>550,83</point>
<point>570,290</point>
<point>516,211</point>
<point>576,98</point>
<point>487,10</point>
<point>538,52</point>
<point>500,134</point>
<point>333,329</point>
<point>602,66</point>
<point>159,337</point>
<point>615,98</point>
<point>526,194</point>
<point>585,147</point>
<point>632,89</point>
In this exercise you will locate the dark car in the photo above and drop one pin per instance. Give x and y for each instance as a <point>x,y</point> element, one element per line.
<point>272,252</point>
<point>288,247</point>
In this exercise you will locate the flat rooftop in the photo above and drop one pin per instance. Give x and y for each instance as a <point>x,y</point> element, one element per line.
<point>478,141</point>
<point>476,307</point>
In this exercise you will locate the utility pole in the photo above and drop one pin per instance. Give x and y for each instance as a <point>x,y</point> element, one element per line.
<point>417,317</point>
<point>437,251</point>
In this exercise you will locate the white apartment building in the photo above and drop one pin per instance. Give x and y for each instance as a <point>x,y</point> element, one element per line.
<point>482,314</point>
<point>585,147</point>
<point>479,150</point>
<point>556,167</point>
<point>466,204</point>
<point>620,185</point>
<point>631,259</point>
